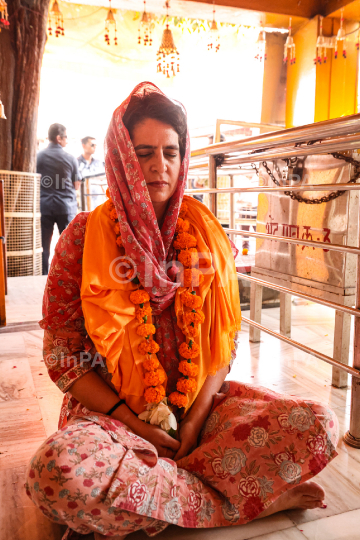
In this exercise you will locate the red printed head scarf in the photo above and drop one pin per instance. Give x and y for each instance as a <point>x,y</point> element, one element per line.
<point>149,247</point>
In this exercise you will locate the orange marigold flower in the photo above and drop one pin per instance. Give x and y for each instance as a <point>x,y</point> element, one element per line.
<point>182,225</point>
<point>186,385</point>
<point>154,394</point>
<point>197,318</point>
<point>188,257</point>
<point>148,346</point>
<point>188,368</point>
<point>180,400</point>
<point>140,313</point>
<point>189,352</point>
<point>145,329</point>
<point>191,300</point>
<point>192,331</point>
<point>113,214</point>
<point>119,241</point>
<point>109,205</point>
<point>139,297</point>
<point>183,210</point>
<point>153,378</point>
<point>151,364</point>
<point>108,193</point>
<point>185,241</point>
<point>117,228</point>
<point>192,277</point>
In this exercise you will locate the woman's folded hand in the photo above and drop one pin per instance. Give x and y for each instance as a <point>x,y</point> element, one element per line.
<point>188,434</point>
<point>165,445</point>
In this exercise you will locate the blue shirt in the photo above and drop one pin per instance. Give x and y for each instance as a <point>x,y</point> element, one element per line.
<point>89,169</point>
<point>86,170</point>
<point>59,170</point>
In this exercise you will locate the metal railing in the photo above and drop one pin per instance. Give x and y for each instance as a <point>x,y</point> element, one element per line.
<point>230,158</point>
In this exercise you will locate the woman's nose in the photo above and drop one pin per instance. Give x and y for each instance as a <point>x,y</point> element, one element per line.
<point>159,164</point>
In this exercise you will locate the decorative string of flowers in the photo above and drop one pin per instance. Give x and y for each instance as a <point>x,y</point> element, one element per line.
<point>192,317</point>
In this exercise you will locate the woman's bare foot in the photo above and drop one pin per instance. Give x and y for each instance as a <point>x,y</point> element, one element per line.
<point>306,496</point>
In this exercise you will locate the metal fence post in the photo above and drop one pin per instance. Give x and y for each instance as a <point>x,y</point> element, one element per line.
<point>212,185</point>
<point>352,437</point>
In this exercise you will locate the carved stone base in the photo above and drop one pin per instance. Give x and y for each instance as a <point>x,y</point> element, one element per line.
<point>351,441</point>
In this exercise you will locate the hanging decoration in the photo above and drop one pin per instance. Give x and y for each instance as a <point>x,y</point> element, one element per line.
<point>214,39</point>
<point>168,58</point>
<point>320,55</point>
<point>145,28</point>
<point>341,36</point>
<point>2,111</point>
<point>56,19</point>
<point>109,21</point>
<point>4,20</point>
<point>289,51</point>
<point>261,44</point>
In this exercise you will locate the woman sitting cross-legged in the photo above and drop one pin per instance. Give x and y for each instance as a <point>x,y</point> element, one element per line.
<point>141,310</point>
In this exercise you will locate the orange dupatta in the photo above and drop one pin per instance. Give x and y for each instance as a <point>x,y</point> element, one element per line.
<point>110,315</point>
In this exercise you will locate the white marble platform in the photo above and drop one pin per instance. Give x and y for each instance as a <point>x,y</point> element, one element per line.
<point>30,402</point>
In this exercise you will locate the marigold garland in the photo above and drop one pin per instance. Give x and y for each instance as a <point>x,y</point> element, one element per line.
<point>182,226</point>
<point>178,399</point>
<point>139,297</point>
<point>140,313</point>
<point>193,331</point>
<point>188,351</point>
<point>154,375</point>
<point>145,329</point>
<point>186,385</point>
<point>185,241</point>
<point>195,317</point>
<point>188,257</point>
<point>191,300</point>
<point>183,210</point>
<point>188,369</point>
<point>113,215</point>
<point>192,277</point>
<point>154,394</point>
<point>150,364</point>
<point>153,378</point>
<point>148,347</point>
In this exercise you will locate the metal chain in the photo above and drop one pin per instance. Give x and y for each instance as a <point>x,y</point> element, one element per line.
<point>333,195</point>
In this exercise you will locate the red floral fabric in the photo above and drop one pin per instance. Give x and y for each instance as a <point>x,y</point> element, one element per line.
<point>96,475</point>
<point>144,243</point>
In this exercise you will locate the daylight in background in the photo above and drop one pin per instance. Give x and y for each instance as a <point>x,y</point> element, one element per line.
<point>83,79</point>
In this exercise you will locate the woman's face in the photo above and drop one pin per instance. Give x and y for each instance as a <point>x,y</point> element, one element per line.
<point>157,149</point>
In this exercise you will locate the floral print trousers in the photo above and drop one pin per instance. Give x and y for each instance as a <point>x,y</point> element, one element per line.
<point>94,474</point>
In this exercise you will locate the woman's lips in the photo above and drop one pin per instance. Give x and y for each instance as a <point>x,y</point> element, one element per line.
<point>158,184</point>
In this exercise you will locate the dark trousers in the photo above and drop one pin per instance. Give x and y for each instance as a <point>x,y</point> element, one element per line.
<point>47,229</point>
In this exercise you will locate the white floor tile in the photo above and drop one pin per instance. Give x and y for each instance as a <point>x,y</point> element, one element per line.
<point>288,534</point>
<point>255,529</point>
<point>341,527</point>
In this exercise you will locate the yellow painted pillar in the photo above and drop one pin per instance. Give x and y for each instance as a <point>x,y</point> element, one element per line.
<point>274,81</point>
<point>344,72</point>
<point>323,78</point>
<point>301,78</point>
<point>320,92</point>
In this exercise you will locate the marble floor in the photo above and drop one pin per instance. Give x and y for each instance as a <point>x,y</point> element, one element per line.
<point>30,402</point>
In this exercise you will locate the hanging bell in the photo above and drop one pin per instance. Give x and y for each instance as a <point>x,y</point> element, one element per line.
<point>2,111</point>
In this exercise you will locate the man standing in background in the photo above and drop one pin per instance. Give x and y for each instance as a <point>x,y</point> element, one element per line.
<point>59,180</point>
<point>89,166</point>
